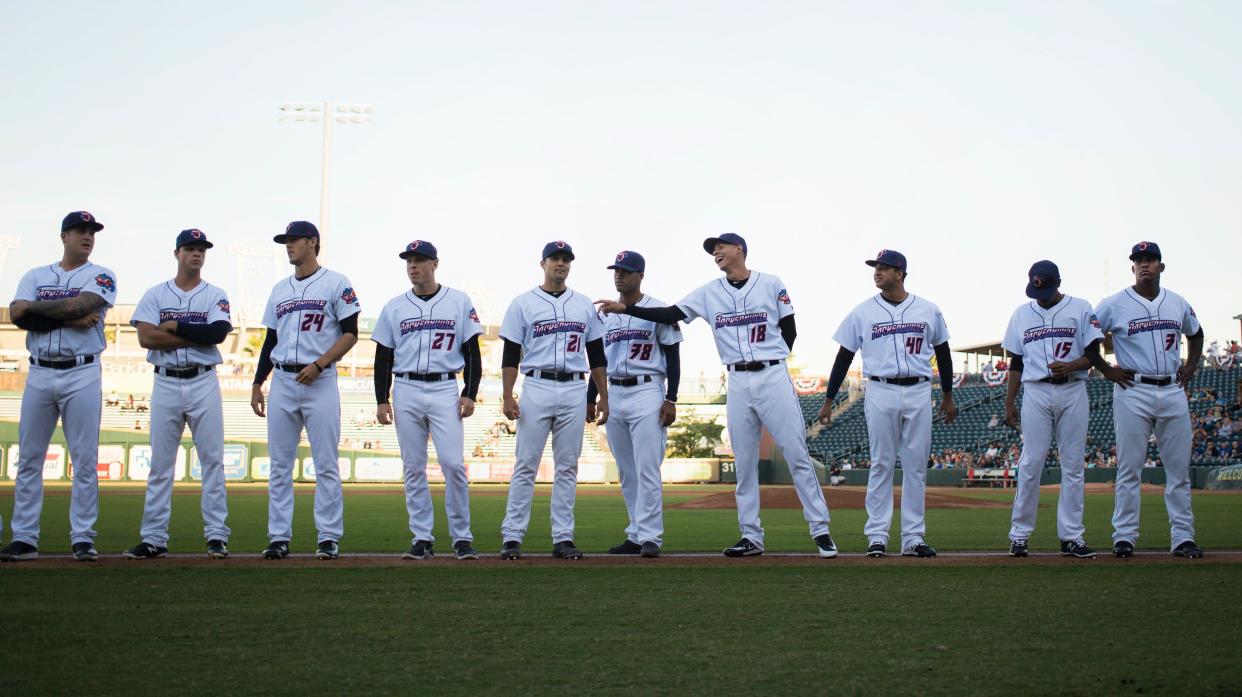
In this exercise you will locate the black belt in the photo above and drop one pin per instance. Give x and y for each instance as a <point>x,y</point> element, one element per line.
<point>1161,381</point>
<point>1059,381</point>
<point>62,364</point>
<point>427,377</point>
<point>185,373</point>
<point>297,368</point>
<point>903,382</point>
<point>629,382</point>
<point>752,367</point>
<point>558,377</point>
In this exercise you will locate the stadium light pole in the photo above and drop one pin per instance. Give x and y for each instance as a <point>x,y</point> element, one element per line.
<point>326,112</point>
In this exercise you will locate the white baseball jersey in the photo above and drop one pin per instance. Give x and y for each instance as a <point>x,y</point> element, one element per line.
<point>632,345</point>
<point>896,340</point>
<point>204,304</point>
<point>745,321</point>
<point>1043,336</point>
<point>307,315</point>
<point>553,331</point>
<point>427,335</point>
<point>54,283</point>
<point>1147,333</point>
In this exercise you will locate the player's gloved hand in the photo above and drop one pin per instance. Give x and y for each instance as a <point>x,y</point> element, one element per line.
<point>825,413</point>
<point>465,407</point>
<point>610,307</point>
<point>256,400</point>
<point>17,309</point>
<point>84,322</point>
<point>309,373</point>
<point>383,414</point>
<point>510,409</point>
<point>1121,376</point>
<point>1185,374</point>
<point>1011,416</point>
<point>601,410</point>
<point>948,409</point>
<point>668,414</point>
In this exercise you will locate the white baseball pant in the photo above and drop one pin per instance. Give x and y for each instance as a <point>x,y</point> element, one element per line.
<point>1047,409</point>
<point>547,407</point>
<point>638,441</point>
<point>316,407</point>
<point>899,417</point>
<point>1138,411</point>
<point>430,408</point>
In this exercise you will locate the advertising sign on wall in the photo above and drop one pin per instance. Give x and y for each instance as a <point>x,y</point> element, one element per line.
<point>140,463</point>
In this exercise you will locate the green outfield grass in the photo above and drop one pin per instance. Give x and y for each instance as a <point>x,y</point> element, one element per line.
<point>376,521</point>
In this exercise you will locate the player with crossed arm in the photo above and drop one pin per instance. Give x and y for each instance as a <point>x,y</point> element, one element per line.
<point>424,337</point>
<point>312,322</point>
<point>1147,323</point>
<point>62,307</point>
<point>562,338</point>
<point>752,320</point>
<point>180,323</point>
<point>1051,343</point>
<point>897,332</point>
<point>641,354</point>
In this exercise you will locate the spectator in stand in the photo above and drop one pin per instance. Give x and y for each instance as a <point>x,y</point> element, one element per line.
<point>994,421</point>
<point>1225,429</point>
<point>987,367</point>
<point>1001,365</point>
<point>1212,356</point>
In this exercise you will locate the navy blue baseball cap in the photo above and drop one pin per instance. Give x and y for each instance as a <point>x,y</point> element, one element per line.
<point>193,236</point>
<point>557,247</point>
<point>889,257</point>
<point>709,244</point>
<point>1043,280</point>
<point>298,228</point>
<point>80,219</point>
<point>1145,249</point>
<point>421,248</point>
<point>629,261</point>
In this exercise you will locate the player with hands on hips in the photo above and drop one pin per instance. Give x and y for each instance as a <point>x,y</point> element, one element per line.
<point>752,320</point>
<point>1051,342</point>
<point>180,323</point>
<point>62,308</point>
<point>312,322</point>
<point>898,333</point>
<point>553,336</point>
<point>641,355</point>
<point>1147,323</point>
<point>424,337</point>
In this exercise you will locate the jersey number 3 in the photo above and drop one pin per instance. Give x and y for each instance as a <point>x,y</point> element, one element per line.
<point>314,320</point>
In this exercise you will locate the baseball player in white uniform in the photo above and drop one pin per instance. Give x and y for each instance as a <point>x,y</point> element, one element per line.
<point>1051,341</point>
<point>62,307</point>
<point>752,321</point>
<point>642,355</point>
<point>312,322</point>
<point>898,333</point>
<point>424,337</point>
<point>180,323</point>
<point>558,338</point>
<point>1147,323</point>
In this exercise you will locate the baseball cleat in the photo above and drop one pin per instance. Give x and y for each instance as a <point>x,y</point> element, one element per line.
<point>650,550</point>
<point>463,550</point>
<point>1123,549</point>
<point>421,549</point>
<point>565,549</point>
<point>1188,549</point>
<point>328,549</point>
<point>627,547</point>
<point>145,550</point>
<point>826,547</point>
<point>85,551</point>
<point>277,550</point>
<point>743,548</point>
<point>922,550</point>
<point>1017,548</point>
<point>217,549</point>
<point>877,550</point>
<point>19,551</point>
<point>511,549</point>
<point>1076,548</point>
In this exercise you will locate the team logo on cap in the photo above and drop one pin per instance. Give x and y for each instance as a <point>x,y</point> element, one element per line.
<point>559,244</point>
<point>413,245</point>
<point>1037,281</point>
<point>106,282</point>
<point>86,217</point>
<point>196,234</point>
<point>350,296</point>
<point>1142,246</point>
<point>288,228</point>
<point>621,257</point>
<point>881,254</point>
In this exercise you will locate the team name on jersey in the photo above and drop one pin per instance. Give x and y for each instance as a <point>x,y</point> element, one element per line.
<point>619,335</point>
<point>891,328</point>
<point>421,325</point>
<point>299,305</point>
<point>57,293</point>
<point>1041,333</point>
<point>740,319</point>
<point>1138,326</point>
<point>186,316</point>
<point>556,326</point>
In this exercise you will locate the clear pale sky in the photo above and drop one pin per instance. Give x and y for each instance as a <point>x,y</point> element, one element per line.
<point>975,137</point>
